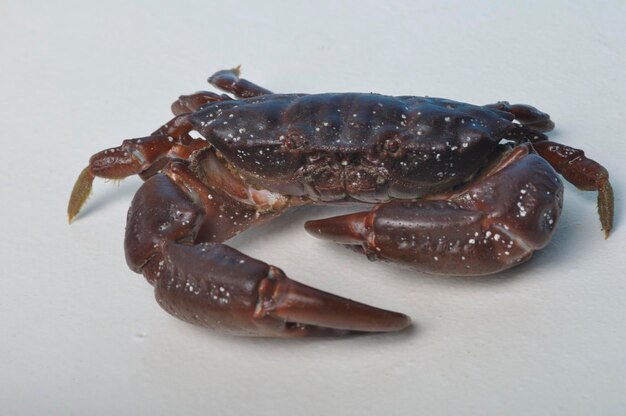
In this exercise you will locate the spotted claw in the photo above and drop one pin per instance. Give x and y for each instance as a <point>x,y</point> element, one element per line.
<point>218,287</point>
<point>468,233</point>
<point>175,242</point>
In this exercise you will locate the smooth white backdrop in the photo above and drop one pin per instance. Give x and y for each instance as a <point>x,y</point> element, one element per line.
<point>82,334</point>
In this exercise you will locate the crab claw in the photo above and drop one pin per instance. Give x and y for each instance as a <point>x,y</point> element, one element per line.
<point>478,230</point>
<point>207,283</point>
<point>215,286</point>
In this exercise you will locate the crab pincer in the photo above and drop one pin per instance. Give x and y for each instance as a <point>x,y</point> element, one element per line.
<point>217,287</point>
<point>172,241</point>
<point>467,232</point>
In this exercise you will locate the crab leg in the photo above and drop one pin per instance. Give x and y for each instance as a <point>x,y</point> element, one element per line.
<point>582,172</point>
<point>527,115</point>
<point>170,238</point>
<point>143,156</point>
<point>494,223</point>
<point>190,103</point>
<point>130,158</point>
<point>228,80</point>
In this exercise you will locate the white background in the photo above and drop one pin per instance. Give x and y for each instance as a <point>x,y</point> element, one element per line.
<point>82,334</point>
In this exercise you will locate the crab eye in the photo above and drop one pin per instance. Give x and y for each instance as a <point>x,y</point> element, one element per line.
<point>289,143</point>
<point>392,146</point>
<point>295,140</point>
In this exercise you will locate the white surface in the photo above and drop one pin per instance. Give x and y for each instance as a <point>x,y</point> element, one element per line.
<point>81,334</point>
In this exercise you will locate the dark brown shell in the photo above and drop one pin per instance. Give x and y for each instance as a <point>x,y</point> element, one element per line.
<point>367,147</point>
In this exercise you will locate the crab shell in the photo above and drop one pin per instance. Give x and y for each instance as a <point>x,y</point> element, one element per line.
<point>353,147</point>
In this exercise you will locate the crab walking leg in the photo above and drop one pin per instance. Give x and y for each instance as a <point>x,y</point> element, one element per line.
<point>228,80</point>
<point>491,225</point>
<point>192,102</point>
<point>130,158</point>
<point>143,156</point>
<point>206,283</point>
<point>582,172</point>
<point>527,115</point>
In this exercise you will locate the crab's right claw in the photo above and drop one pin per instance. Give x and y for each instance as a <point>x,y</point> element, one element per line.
<point>216,286</point>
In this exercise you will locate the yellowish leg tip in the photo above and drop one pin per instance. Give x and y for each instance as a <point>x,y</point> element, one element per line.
<point>606,206</point>
<point>237,70</point>
<point>80,193</point>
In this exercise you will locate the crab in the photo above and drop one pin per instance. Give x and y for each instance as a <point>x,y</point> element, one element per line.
<point>456,189</point>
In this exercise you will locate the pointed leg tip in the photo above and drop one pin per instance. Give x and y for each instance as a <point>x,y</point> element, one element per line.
<point>606,204</point>
<point>80,193</point>
<point>549,126</point>
<point>225,75</point>
<point>71,214</point>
